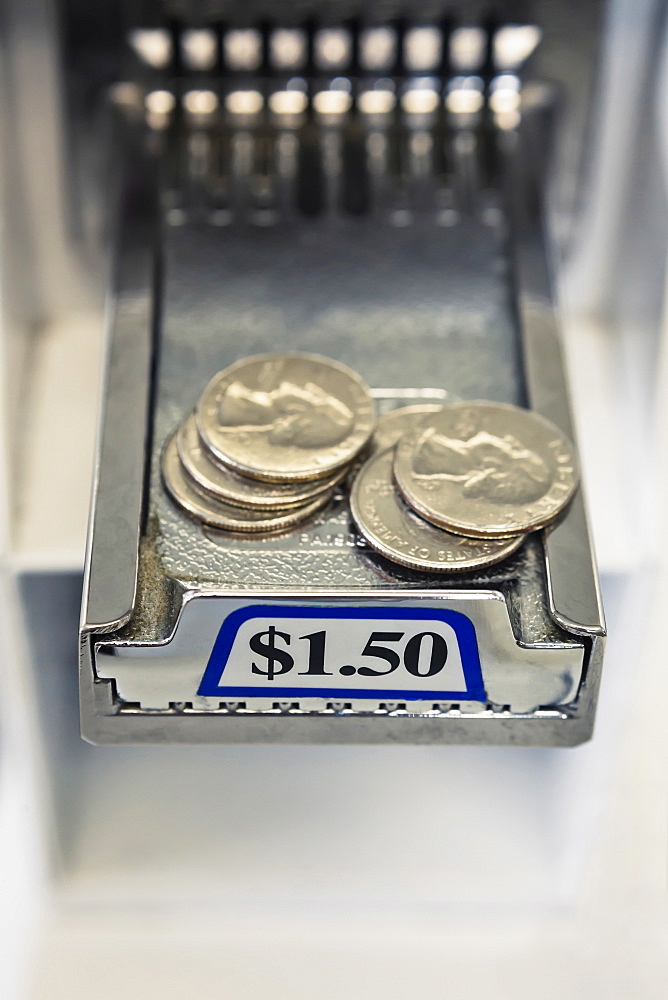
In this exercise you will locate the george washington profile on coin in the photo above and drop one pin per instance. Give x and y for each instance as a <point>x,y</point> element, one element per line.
<point>286,417</point>
<point>486,469</point>
<point>497,469</point>
<point>390,527</point>
<point>305,416</point>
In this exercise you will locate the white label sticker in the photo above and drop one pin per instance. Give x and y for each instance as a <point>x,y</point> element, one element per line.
<point>344,652</point>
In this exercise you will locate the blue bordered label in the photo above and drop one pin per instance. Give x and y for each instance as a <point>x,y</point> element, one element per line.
<point>340,653</point>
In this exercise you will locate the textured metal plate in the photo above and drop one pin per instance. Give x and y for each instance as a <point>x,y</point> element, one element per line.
<point>342,289</point>
<point>445,326</point>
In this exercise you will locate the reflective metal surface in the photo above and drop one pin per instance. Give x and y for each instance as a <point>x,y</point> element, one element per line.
<point>286,417</point>
<point>573,588</point>
<point>396,423</point>
<point>392,528</point>
<point>486,469</point>
<point>224,516</point>
<point>221,483</point>
<point>112,561</point>
<point>524,679</point>
<point>391,246</point>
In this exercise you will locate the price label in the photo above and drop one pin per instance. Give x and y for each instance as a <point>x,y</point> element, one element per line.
<point>394,654</point>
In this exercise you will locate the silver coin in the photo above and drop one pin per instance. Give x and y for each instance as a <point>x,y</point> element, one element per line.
<point>393,529</point>
<point>486,469</point>
<point>222,515</point>
<point>286,417</point>
<point>225,485</point>
<point>396,423</point>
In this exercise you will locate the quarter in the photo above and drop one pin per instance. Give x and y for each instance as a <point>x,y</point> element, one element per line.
<point>393,529</point>
<point>396,423</point>
<point>486,469</point>
<point>222,515</point>
<point>286,417</point>
<point>223,484</point>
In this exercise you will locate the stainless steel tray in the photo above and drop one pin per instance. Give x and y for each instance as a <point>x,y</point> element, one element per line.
<point>440,291</point>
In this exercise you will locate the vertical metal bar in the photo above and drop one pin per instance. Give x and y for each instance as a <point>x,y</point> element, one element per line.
<point>113,547</point>
<point>572,581</point>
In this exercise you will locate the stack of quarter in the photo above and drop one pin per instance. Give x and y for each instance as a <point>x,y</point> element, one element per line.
<point>459,487</point>
<point>446,489</point>
<point>270,439</point>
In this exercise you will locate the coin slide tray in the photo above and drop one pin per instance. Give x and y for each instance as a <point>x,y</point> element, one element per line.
<point>428,275</point>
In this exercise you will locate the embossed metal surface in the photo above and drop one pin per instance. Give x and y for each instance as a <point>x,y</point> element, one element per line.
<point>486,470</point>
<point>226,516</point>
<point>286,417</point>
<point>394,530</point>
<point>240,491</point>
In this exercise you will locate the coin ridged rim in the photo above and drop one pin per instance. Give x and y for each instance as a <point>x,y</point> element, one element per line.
<point>392,416</point>
<point>223,484</point>
<point>218,514</point>
<point>362,430</point>
<point>370,522</point>
<point>537,514</point>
